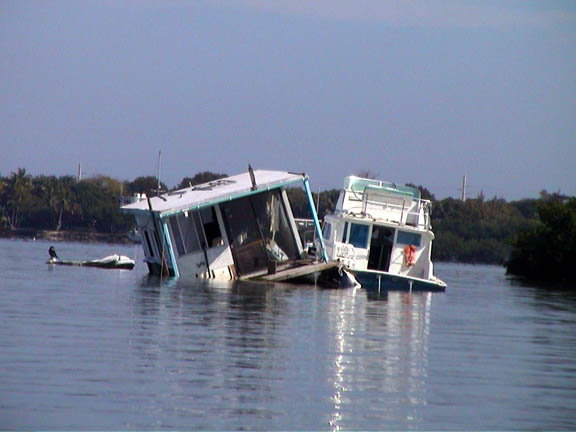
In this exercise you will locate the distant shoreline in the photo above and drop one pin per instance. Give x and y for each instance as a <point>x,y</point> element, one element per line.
<point>58,236</point>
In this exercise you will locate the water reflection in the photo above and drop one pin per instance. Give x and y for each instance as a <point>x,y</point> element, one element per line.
<point>380,358</point>
<point>250,351</point>
<point>550,312</point>
<point>115,350</point>
<point>217,339</point>
<point>270,355</point>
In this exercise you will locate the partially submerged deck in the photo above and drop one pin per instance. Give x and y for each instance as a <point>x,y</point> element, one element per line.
<point>296,270</point>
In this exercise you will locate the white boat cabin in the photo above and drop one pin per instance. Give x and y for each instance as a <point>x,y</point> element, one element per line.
<point>235,227</point>
<point>380,227</point>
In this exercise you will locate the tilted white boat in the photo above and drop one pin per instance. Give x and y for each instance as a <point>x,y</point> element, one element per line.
<point>238,227</point>
<point>382,232</point>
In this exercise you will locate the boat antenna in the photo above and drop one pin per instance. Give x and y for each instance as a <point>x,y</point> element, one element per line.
<point>158,175</point>
<point>252,177</point>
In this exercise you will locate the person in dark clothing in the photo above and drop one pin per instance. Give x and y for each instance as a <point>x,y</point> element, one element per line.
<point>52,252</point>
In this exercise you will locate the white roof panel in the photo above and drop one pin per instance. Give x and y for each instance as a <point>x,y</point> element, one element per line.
<point>217,190</point>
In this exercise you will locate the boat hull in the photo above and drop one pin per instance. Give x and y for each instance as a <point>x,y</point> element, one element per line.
<point>111,262</point>
<point>380,281</point>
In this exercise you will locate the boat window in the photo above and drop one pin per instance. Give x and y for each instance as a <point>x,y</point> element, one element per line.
<point>244,235</point>
<point>176,235</point>
<point>306,230</point>
<point>408,238</point>
<point>188,232</point>
<point>198,224</point>
<point>211,227</point>
<point>259,231</point>
<point>160,245</point>
<point>345,232</point>
<point>275,226</point>
<point>150,251</point>
<point>359,235</point>
<point>327,231</point>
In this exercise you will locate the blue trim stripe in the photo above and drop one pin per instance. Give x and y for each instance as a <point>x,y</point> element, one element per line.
<point>315,217</point>
<point>170,249</point>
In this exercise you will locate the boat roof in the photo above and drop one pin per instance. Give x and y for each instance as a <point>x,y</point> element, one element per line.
<point>224,189</point>
<point>360,185</point>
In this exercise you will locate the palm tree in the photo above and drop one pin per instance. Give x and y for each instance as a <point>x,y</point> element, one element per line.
<point>58,197</point>
<point>64,200</point>
<point>3,199</point>
<point>19,190</point>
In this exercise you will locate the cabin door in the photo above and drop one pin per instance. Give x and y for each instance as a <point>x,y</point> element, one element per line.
<point>380,248</point>
<point>259,231</point>
<point>246,242</point>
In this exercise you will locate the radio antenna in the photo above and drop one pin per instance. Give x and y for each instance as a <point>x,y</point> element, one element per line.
<point>158,175</point>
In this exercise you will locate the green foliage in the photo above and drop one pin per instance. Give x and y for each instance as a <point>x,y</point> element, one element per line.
<point>424,192</point>
<point>200,178</point>
<point>477,230</point>
<point>301,207</point>
<point>147,185</point>
<point>97,208</point>
<point>327,202</point>
<point>17,199</point>
<point>299,203</point>
<point>527,208</point>
<point>547,252</point>
<point>54,203</point>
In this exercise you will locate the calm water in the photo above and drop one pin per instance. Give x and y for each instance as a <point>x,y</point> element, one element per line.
<point>84,348</point>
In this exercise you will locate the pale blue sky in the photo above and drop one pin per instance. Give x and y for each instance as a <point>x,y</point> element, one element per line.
<point>414,91</point>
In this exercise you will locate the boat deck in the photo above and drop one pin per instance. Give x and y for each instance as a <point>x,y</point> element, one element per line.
<point>298,269</point>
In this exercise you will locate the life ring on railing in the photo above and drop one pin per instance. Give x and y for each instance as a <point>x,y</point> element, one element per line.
<point>410,255</point>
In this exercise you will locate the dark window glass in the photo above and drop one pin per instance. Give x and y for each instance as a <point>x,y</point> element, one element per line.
<point>211,227</point>
<point>326,231</point>
<point>188,231</point>
<point>160,244</point>
<point>408,238</point>
<point>345,232</point>
<point>199,229</point>
<point>359,235</point>
<point>381,243</point>
<point>176,235</point>
<point>148,244</point>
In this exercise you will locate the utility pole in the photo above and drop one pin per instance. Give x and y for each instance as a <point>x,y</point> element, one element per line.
<point>79,175</point>
<point>464,188</point>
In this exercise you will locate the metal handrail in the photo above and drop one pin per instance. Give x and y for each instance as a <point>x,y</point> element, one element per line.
<point>422,208</point>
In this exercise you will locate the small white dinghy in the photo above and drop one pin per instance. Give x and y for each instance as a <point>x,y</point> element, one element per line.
<point>109,262</point>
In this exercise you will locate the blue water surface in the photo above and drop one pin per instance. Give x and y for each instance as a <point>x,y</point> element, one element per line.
<point>87,348</point>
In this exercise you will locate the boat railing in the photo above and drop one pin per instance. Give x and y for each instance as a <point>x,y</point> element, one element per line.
<point>415,214</point>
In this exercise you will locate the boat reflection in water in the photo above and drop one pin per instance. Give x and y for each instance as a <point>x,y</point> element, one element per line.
<point>274,356</point>
<point>380,358</point>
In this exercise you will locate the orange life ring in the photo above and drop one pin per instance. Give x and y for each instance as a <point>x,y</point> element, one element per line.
<point>410,255</point>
